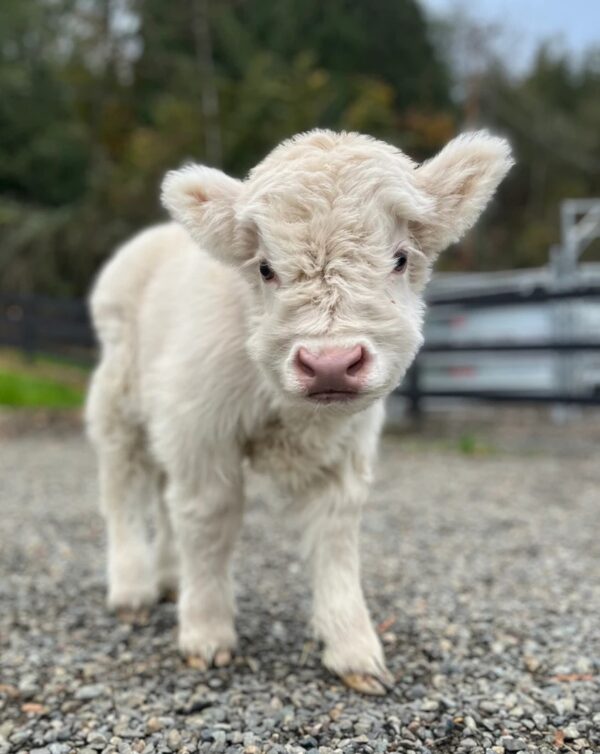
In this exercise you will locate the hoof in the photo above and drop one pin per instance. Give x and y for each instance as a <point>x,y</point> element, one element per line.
<point>222,658</point>
<point>131,600</point>
<point>134,616</point>
<point>367,683</point>
<point>197,663</point>
<point>206,646</point>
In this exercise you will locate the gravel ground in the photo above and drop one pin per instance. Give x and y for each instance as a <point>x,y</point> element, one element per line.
<point>482,571</point>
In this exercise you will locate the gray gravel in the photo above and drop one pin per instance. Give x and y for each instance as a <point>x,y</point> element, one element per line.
<point>483,571</point>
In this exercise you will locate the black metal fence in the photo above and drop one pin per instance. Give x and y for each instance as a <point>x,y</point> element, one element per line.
<point>62,327</point>
<point>35,324</point>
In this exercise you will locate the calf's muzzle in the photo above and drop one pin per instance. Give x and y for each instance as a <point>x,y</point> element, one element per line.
<point>332,372</point>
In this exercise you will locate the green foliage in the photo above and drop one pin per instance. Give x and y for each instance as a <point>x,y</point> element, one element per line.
<point>101,97</point>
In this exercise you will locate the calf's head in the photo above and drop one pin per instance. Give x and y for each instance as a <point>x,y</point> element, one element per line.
<point>335,234</point>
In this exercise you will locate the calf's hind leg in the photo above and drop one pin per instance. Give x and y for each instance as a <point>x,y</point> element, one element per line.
<point>129,493</point>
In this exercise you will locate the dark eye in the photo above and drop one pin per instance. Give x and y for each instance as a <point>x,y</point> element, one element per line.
<point>266,271</point>
<point>400,261</point>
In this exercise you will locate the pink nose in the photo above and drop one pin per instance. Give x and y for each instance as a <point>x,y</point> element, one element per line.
<point>332,370</point>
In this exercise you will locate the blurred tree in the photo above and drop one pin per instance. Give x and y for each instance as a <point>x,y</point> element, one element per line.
<point>384,39</point>
<point>201,23</point>
<point>371,53</point>
<point>101,97</point>
<point>552,116</point>
<point>43,147</point>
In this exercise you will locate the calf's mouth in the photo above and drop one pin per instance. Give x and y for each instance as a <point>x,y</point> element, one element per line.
<point>333,396</point>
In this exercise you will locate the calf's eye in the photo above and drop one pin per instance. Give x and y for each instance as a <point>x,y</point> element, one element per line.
<point>266,271</point>
<point>400,261</point>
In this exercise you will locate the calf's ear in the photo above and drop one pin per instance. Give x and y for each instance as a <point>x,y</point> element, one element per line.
<point>461,179</point>
<point>204,201</point>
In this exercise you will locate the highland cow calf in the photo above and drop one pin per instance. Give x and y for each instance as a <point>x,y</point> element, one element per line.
<point>268,323</point>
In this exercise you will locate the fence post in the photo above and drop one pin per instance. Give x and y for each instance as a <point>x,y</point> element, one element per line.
<point>29,328</point>
<point>415,397</point>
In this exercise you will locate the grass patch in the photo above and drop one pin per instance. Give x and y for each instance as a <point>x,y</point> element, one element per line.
<point>41,383</point>
<point>468,445</point>
<point>21,390</point>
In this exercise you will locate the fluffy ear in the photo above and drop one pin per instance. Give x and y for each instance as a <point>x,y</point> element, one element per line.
<point>204,200</point>
<point>462,179</point>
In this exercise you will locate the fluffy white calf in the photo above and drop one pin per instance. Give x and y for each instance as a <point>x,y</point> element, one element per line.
<point>268,323</point>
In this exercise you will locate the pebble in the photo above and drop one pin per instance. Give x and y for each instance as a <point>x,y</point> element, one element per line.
<point>153,725</point>
<point>570,732</point>
<point>565,705</point>
<point>173,739</point>
<point>56,748</point>
<point>488,706</point>
<point>363,725</point>
<point>85,693</point>
<point>513,744</point>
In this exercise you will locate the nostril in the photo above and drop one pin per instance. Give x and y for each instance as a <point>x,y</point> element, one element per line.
<point>357,363</point>
<point>303,363</point>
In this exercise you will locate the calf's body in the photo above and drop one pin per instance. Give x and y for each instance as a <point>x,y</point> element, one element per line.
<point>268,323</point>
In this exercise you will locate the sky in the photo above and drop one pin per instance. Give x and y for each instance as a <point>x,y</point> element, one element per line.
<point>573,23</point>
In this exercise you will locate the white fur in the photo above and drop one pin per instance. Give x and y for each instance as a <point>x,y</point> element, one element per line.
<point>197,373</point>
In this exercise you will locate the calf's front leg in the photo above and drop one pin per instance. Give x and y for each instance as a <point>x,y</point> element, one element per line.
<point>206,523</point>
<point>340,615</point>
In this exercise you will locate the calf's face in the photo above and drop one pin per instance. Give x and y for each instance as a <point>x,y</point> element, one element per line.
<point>335,235</point>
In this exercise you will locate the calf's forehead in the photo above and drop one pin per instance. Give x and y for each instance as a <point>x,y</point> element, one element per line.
<point>328,202</point>
<point>343,231</point>
<point>319,169</point>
